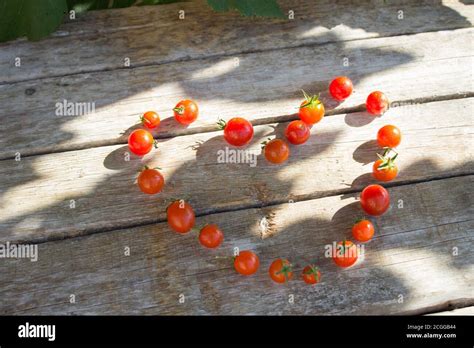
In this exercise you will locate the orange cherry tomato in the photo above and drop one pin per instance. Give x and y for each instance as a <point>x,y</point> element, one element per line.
<point>346,254</point>
<point>150,180</point>
<point>276,151</point>
<point>211,236</point>
<point>363,230</point>
<point>280,271</point>
<point>186,112</point>
<point>311,274</point>
<point>246,262</point>
<point>389,136</point>
<point>311,109</point>
<point>140,142</point>
<point>150,119</point>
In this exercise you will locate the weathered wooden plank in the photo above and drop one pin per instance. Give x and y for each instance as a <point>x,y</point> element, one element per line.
<point>409,265</point>
<point>156,35</point>
<point>265,87</point>
<point>38,191</point>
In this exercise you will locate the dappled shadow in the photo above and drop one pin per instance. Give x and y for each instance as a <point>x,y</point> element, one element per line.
<point>122,204</point>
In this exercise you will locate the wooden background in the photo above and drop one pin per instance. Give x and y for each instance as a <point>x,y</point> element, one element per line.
<point>420,260</point>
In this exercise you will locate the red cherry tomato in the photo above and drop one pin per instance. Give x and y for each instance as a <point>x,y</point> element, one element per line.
<point>389,136</point>
<point>150,119</point>
<point>140,142</point>
<point>186,112</point>
<point>150,180</point>
<point>375,200</point>
<point>363,230</point>
<point>180,216</point>
<point>340,88</point>
<point>377,103</point>
<point>237,131</point>
<point>346,254</point>
<point>246,262</point>
<point>297,132</point>
<point>311,109</point>
<point>276,151</point>
<point>280,271</point>
<point>211,236</point>
<point>311,274</point>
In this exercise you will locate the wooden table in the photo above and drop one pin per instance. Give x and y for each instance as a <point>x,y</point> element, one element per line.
<point>105,248</point>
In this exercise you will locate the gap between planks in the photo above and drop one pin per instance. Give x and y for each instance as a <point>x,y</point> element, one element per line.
<point>235,208</point>
<point>221,55</point>
<point>258,122</point>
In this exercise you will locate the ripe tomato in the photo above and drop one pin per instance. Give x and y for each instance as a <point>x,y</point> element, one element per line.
<point>346,254</point>
<point>389,136</point>
<point>375,200</point>
<point>377,103</point>
<point>246,262</point>
<point>363,230</point>
<point>211,236</point>
<point>237,131</point>
<point>276,151</point>
<point>311,274</point>
<point>150,119</point>
<point>180,216</point>
<point>385,169</point>
<point>297,132</point>
<point>340,88</point>
<point>150,180</point>
<point>140,142</point>
<point>311,109</point>
<point>186,112</point>
<point>280,270</point>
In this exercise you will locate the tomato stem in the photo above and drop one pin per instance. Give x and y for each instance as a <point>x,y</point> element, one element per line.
<point>179,110</point>
<point>221,123</point>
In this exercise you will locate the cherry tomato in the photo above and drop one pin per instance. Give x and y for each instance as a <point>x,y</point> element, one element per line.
<point>311,274</point>
<point>180,216</point>
<point>150,119</point>
<point>363,230</point>
<point>375,200</point>
<point>150,180</point>
<point>311,109</point>
<point>276,151</point>
<point>346,254</point>
<point>389,136</point>
<point>186,112</point>
<point>340,88</point>
<point>211,236</point>
<point>280,270</point>
<point>297,132</point>
<point>140,142</point>
<point>377,103</point>
<point>246,262</point>
<point>237,131</point>
<point>384,170</point>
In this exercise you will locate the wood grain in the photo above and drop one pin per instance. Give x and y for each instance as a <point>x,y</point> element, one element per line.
<point>37,191</point>
<point>407,68</point>
<point>410,264</point>
<point>101,40</point>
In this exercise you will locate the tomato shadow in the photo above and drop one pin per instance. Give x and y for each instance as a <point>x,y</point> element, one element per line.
<point>359,119</point>
<point>366,152</point>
